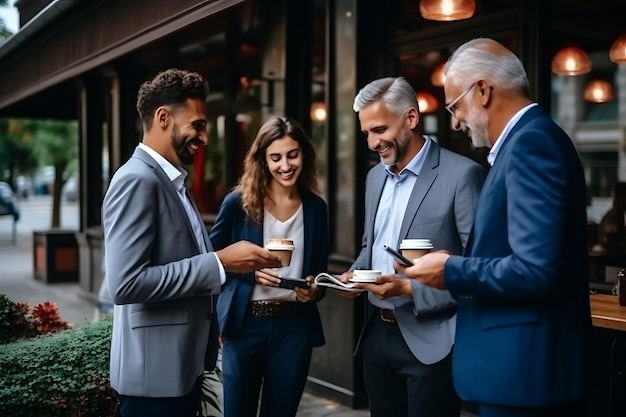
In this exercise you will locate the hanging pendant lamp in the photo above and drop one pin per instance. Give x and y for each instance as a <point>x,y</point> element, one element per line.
<point>598,91</point>
<point>436,77</point>
<point>318,111</point>
<point>447,10</point>
<point>571,60</point>
<point>426,102</point>
<point>617,53</point>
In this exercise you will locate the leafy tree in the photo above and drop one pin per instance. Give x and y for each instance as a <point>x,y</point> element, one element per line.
<point>55,143</point>
<point>16,154</point>
<point>5,33</point>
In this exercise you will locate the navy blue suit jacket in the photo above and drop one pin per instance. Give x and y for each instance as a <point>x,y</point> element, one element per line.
<point>233,225</point>
<point>523,316</point>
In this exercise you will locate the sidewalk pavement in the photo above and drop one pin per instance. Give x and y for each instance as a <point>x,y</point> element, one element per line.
<point>17,281</point>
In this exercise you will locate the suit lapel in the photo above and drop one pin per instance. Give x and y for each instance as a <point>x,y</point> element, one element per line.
<point>530,115</point>
<point>205,235</point>
<point>170,190</point>
<point>378,178</point>
<point>424,181</point>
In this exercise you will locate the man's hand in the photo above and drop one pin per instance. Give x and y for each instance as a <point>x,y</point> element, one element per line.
<point>243,256</point>
<point>427,269</point>
<point>388,286</point>
<point>346,277</point>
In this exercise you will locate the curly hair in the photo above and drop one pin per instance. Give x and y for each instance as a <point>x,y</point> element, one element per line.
<point>172,87</point>
<point>256,176</point>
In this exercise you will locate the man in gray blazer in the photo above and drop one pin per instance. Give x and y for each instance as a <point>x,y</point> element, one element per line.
<point>162,272</point>
<point>418,190</point>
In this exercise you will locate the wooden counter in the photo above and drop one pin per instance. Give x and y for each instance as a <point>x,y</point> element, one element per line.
<point>606,312</point>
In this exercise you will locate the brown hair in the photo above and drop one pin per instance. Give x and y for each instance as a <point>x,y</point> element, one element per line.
<point>256,177</point>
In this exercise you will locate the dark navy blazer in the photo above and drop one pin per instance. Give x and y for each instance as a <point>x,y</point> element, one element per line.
<point>233,225</point>
<point>522,288</point>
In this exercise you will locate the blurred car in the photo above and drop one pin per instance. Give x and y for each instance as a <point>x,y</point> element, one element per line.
<point>6,192</point>
<point>44,180</point>
<point>8,201</point>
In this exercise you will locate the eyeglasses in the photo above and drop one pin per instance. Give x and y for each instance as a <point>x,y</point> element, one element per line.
<point>451,108</point>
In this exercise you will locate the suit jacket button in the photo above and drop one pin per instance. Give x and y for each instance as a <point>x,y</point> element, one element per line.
<point>208,317</point>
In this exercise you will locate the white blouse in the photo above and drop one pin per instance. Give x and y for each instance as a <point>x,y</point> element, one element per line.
<point>292,228</point>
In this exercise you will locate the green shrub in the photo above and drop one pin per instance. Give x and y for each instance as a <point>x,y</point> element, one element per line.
<point>59,374</point>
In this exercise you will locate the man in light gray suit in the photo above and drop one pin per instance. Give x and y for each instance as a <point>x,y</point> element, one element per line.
<point>418,190</point>
<point>162,272</point>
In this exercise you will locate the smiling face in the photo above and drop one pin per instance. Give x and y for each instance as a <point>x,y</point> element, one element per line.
<point>189,132</point>
<point>467,114</point>
<point>284,161</point>
<point>387,134</point>
<point>475,126</point>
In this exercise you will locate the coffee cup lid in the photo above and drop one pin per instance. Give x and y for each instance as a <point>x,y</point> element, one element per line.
<point>416,244</point>
<point>279,246</point>
<point>367,272</point>
<point>279,243</point>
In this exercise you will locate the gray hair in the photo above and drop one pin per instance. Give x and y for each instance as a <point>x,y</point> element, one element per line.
<point>486,59</point>
<point>395,92</point>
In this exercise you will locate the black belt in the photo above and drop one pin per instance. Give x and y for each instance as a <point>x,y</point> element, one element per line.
<point>386,315</point>
<point>264,308</point>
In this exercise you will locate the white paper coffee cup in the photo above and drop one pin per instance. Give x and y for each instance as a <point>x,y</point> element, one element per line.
<point>282,247</point>
<point>415,248</point>
<point>365,275</point>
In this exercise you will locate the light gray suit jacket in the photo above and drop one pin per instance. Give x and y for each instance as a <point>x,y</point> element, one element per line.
<point>441,208</point>
<point>160,283</point>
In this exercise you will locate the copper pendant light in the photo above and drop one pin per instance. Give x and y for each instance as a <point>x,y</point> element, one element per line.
<point>598,91</point>
<point>447,10</point>
<point>571,60</point>
<point>617,53</point>
<point>426,102</point>
<point>436,77</point>
<point>318,111</point>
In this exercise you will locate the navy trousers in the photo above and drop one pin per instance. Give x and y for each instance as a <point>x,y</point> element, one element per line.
<point>270,356</point>
<point>186,406</point>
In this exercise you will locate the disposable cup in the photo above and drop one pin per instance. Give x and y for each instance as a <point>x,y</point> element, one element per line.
<point>282,247</point>
<point>415,248</point>
<point>365,275</point>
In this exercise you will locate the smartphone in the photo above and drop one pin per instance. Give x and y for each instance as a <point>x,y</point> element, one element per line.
<point>291,283</point>
<point>397,255</point>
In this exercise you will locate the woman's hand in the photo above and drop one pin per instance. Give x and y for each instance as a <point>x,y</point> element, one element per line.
<point>267,276</point>
<point>305,295</point>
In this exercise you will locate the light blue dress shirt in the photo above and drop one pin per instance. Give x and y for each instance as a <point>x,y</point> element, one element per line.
<point>391,208</point>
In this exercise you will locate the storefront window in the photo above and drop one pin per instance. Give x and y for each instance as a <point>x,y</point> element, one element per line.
<point>319,100</point>
<point>345,133</point>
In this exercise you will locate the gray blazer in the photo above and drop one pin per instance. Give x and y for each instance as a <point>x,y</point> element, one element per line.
<point>160,283</point>
<point>441,208</point>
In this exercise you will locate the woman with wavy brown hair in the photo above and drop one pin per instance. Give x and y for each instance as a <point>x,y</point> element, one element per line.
<point>269,322</point>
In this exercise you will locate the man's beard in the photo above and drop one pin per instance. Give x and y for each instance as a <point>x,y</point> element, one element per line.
<point>477,122</point>
<point>180,146</point>
<point>399,147</point>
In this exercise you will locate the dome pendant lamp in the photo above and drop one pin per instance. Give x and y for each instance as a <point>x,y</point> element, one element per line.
<point>447,10</point>
<point>617,53</point>
<point>598,91</point>
<point>436,77</point>
<point>426,102</point>
<point>571,60</point>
